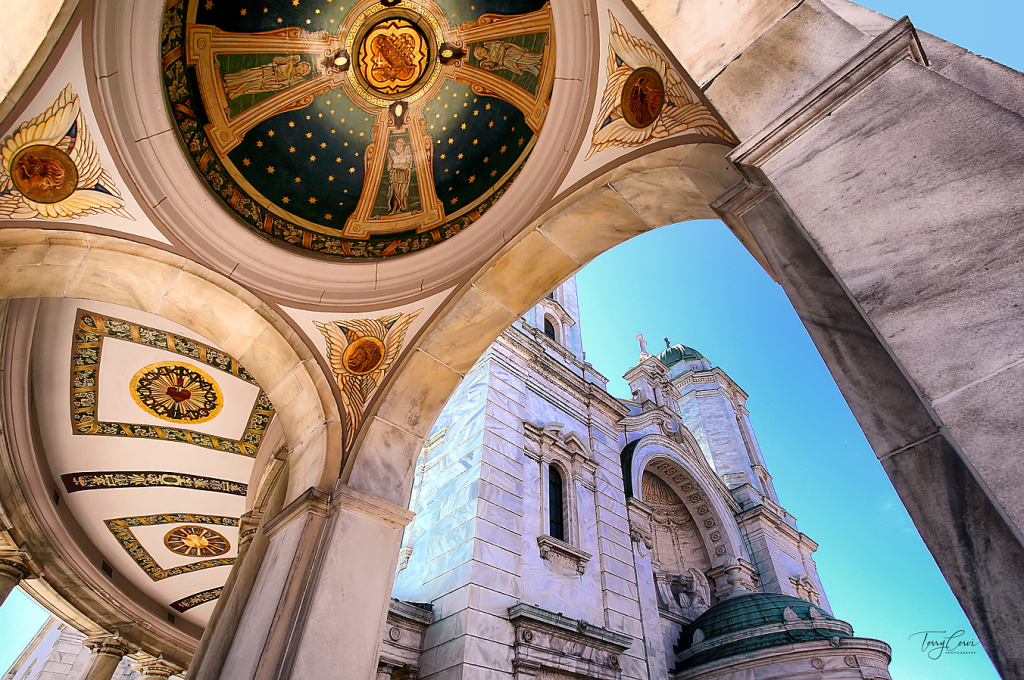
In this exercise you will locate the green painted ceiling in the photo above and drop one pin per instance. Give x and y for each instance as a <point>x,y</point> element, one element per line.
<point>275,108</point>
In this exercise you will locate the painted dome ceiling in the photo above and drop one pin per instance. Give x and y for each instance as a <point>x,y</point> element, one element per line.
<point>365,129</point>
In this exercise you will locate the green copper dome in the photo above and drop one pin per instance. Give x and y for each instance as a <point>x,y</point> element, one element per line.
<point>672,355</point>
<point>764,617</point>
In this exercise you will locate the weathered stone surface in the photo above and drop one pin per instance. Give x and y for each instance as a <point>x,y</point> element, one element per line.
<point>976,550</point>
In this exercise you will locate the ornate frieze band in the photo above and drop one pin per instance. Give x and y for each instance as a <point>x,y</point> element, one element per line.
<point>196,599</point>
<point>86,348</point>
<point>85,481</point>
<point>122,530</point>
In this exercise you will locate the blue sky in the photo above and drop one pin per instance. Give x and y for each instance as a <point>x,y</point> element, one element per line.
<point>695,284</point>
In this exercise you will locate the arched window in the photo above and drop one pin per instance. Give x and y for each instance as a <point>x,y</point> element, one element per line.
<point>556,510</point>
<point>549,329</point>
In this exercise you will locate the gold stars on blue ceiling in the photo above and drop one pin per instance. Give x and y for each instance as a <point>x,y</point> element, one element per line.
<point>334,126</point>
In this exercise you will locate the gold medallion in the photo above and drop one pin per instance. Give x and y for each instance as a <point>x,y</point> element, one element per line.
<point>44,173</point>
<point>193,541</point>
<point>363,355</point>
<point>393,56</point>
<point>176,392</point>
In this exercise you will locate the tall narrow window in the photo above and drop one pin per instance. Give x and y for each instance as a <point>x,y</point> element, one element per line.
<point>549,330</point>
<point>555,503</point>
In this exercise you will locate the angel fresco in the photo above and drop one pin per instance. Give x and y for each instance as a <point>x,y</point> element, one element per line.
<point>645,98</point>
<point>400,175</point>
<point>361,351</point>
<point>499,54</point>
<point>279,74</point>
<point>49,168</point>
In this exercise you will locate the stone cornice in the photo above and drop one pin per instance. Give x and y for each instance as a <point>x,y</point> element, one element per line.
<point>525,613</point>
<point>312,500</point>
<point>371,507</point>
<point>778,523</point>
<point>585,392</point>
<point>850,648</point>
<point>715,375</point>
<point>894,45</point>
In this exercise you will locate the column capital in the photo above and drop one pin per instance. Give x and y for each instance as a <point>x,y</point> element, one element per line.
<point>110,645</point>
<point>157,669</point>
<point>15,565</point>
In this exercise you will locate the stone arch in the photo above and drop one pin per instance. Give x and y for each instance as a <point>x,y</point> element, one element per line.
<point>703,494</point>
<point>59,264</point>
<point>672,185</point>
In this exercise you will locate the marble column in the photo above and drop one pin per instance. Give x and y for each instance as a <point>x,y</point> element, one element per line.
<point>386,670</point>
<point>13,568</point>
<point>157,669</point>
<point>106,654</point>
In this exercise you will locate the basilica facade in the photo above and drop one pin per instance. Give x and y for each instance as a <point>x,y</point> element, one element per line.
<point>561,532</point>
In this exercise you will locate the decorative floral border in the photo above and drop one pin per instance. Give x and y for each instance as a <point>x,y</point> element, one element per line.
<point>131,479</point>
<point>183,108</point>
<point>91,328</point>
<point>196,599</point>
<point>122,530</point>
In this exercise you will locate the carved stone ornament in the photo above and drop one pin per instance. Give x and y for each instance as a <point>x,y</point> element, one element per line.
<point>817,663</point>
<point>551,642</point>
<point>559,552</point>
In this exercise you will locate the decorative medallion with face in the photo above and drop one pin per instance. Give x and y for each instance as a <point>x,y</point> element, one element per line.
<point>196,541</point>
<point>44,173</point>
<point>177,392</point>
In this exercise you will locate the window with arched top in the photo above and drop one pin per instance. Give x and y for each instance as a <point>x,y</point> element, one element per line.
<point>549,329</point>
<point>556,504</point>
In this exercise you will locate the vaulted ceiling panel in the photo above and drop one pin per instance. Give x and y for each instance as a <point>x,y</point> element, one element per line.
<point>151,434</point>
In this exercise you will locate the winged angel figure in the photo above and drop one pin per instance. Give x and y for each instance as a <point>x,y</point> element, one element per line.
<point>361,352</point>
<point>49,168</point>
<point>680,109</point>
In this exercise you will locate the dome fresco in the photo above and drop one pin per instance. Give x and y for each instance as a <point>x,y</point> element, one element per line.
<point>365,129</point>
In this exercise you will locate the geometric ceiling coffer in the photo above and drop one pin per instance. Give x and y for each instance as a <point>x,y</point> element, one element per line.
<point>85,363</point>
<point>193,541</point>
<point>646,99</point>
<point>85,481</point>
<point>190,601</point>
<point>122,530</point>
<point>177,392</point>
<point>361,352</point>
<point>369,129</point>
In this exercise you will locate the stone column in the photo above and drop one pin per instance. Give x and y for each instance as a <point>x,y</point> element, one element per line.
<point>13,568</point>
<point>106,655</point>
<point>157,669</point>
<point>385,670</point>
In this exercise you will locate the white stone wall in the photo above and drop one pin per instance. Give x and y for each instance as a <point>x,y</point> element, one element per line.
<point>480,499</point>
